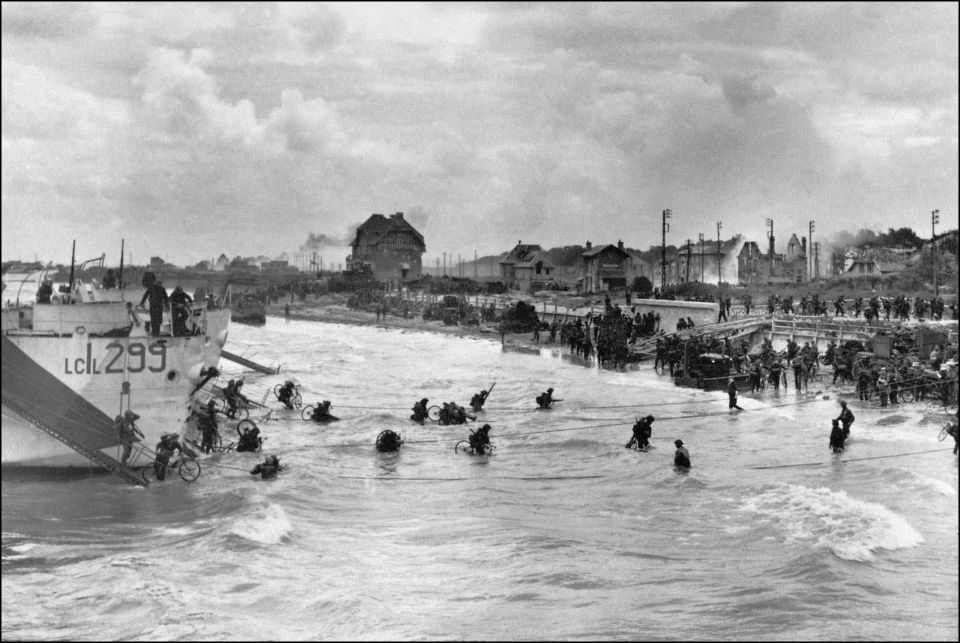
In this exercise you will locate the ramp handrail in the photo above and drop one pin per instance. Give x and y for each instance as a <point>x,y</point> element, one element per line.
<point>92,454</point>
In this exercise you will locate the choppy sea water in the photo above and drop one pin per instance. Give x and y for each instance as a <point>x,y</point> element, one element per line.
<point>561,534</point>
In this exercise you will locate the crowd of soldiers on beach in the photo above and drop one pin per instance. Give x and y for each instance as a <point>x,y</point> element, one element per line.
<point>876,378</point>
<point>872,308</point>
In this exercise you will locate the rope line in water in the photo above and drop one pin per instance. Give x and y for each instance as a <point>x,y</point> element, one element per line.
<point>527,478</point>
<point>876,457</point>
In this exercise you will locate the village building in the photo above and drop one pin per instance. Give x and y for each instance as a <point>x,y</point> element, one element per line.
<point>755,267</point>
<point>874,266</point>
<point>698,262</point>
<point>604,268</point>
<point>221,263</point>
<point>389,248</point>
<point>526,266</point>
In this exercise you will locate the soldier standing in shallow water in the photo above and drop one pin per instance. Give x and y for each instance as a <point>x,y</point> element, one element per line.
<point>681,458</point>
<point>732,392</point>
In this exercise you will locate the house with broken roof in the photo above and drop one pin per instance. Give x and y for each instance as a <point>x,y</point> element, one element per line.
<point>389,248</point>
<point>525,266</point>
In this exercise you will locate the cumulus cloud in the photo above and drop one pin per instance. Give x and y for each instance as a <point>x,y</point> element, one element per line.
<point>255,123</point>
<point>51,20</point>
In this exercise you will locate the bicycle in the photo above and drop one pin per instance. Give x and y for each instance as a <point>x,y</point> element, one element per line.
<point>242,412</point>
<point>486,449</point>
<point>187,468</point>
<point>295,399</point>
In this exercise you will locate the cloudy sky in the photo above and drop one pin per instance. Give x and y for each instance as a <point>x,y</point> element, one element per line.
<point>195,129</point>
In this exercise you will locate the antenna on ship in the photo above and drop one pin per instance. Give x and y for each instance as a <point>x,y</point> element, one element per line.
<point>120,278</point>
<point>73,255</point>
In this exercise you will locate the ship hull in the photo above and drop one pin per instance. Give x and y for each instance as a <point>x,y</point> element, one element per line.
<point>162,373</point>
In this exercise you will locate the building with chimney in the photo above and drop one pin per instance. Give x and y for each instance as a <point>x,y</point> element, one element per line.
<point>755,267</point>
<point>604,268</point>
<point>389,248</point>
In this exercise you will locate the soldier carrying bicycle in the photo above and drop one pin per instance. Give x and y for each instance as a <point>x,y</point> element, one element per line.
<point>207,424</point>
<point>285,394</point>
<point>168,444</point>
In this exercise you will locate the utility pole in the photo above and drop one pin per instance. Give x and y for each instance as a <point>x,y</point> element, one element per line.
<point>687,278</point>
<point>810,267</point>
<point>934,220</point>
<point>701,257</point>
<point>816,262</point>
<point>474,265</point>
<point>438,267</point>
<point>663,252</point>
<point>444,264</point>
<point>719,257</point>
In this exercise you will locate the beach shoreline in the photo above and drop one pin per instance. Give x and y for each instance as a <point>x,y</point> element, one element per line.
<point>328,309</point>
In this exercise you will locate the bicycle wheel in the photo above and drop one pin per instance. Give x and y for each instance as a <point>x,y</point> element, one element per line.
<point>297,401</point>
<point>243,425</point>
<point>433,413</point>
<point>464,443</point>
<point>307,412</point>
<point>906,394</point>
<point>276,390</point>
<point>147,474</point>
<point>189,470</point>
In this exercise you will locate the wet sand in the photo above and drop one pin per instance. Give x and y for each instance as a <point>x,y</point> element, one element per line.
<point>333,309</point>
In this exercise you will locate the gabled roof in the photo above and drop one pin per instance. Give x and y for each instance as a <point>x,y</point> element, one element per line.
<point>593,252</point>
<point>379,226</point>
<point>533,258</point>
<point>520,253</point>
<point>750,249</point>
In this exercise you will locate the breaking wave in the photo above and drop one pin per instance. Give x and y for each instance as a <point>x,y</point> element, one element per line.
<point>852,529</point>
<point>266,525</point>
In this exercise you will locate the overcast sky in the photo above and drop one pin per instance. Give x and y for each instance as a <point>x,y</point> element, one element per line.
<point>195,129</point>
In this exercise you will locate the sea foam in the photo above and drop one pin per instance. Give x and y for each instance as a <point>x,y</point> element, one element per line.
<point>267,525</point>
<point>852,529</point>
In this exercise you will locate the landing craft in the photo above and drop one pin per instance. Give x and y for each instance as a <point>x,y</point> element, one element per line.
<point>71,365</point>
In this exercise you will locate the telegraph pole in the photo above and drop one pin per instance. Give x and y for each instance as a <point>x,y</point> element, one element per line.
<point>701,257</point>
<point>663,252</point>
<point>687,278</point>
<point>816,262</point>
<point>934,220</point>
<point>719,257</point>
<point>810,268</point>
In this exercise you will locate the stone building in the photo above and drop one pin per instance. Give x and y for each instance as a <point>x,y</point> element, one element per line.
<point>755,267</point>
